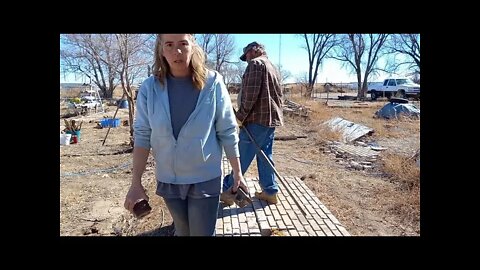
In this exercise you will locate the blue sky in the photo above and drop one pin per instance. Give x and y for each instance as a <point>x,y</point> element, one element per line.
<point>295,58</point>
<point>291,55</point>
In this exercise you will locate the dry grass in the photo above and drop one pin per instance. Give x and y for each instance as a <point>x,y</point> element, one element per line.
<point>402,201</point>
<point>364,116</point>
<point>319,113</point>
<point>404,172</point>
<point>70,93</point>
<point>391,128</point>
<point>401,169</point>
<point>407,206</point>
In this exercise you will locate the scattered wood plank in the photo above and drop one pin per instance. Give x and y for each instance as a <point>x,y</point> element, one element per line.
<point>288,137</point>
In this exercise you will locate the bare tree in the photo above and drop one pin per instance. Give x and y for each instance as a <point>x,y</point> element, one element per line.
<point>416,77</point>
<point>224,47</point>
<point>91,55</point>
<point>407,45</point>
<point>284,74</point>
<point>218,48</point>
<point>318,47</point>
<point>303,80</point>
<point>241,67</point>
<point>361,51</point>
<point>232,73</point>
<point>131,48</point>
<point>205,41</point>
<point>150,51</point>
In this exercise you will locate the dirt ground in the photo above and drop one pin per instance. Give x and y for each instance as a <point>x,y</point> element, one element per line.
<point>94,180</point>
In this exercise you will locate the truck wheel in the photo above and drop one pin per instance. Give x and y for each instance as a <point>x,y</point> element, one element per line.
<point>373,95</point>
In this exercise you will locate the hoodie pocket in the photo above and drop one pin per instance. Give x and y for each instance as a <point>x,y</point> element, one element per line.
<point>189,154</point>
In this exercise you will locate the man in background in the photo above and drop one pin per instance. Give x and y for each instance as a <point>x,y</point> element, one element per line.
<point>260,102</point>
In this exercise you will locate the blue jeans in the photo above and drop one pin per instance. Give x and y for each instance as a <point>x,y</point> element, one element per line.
<point>264,137</point>
<point>194,217</point>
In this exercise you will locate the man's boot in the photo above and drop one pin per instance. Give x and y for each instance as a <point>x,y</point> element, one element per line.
<point>269,198</point>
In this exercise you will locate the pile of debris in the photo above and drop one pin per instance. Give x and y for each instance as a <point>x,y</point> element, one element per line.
<point>359,156</point>
<point>292,108</point>
<point>354,151</point>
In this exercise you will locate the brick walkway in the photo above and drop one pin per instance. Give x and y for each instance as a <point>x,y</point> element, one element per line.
<point>298,213</point>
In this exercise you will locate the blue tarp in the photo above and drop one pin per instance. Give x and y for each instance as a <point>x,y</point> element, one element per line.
<point>394,110</point>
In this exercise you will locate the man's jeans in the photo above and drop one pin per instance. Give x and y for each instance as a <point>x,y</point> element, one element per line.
<point>264,137</point>
<point>194,217</point>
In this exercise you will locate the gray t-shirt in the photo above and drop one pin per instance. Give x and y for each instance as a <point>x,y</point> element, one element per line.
<point>182,97</point>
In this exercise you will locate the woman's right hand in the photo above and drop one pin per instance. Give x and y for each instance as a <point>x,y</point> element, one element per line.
<point>135,194</point>
<point>239,181</point>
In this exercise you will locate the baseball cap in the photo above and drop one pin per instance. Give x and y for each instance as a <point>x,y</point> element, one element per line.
<point>249,47</point>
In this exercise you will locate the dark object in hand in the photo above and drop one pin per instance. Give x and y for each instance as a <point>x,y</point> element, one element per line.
<point>241,198</point>
<point>141,209</point>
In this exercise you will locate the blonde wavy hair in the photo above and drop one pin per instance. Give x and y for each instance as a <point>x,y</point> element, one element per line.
<point>197,65</point>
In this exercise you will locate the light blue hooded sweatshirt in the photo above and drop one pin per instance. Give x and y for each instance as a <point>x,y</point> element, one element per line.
<point>196,156</point>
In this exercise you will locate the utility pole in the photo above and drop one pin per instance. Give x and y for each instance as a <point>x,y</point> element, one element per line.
<point>280,51</point>
<point>280,58</point>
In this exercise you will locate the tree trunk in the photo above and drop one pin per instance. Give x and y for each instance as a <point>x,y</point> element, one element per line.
<point>131,113</point>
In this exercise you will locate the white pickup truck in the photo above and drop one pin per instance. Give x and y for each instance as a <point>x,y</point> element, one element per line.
<point>398,87</point>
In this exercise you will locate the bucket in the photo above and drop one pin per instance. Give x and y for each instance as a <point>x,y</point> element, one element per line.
<point>109,122</point>
<point>123,104</point>
<point>115,122</point>
<point>65,139</point>
<point>75,135</point>
<point>104,122</point>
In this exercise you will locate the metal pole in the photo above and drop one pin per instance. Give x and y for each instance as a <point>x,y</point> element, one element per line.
<point>115,114</point>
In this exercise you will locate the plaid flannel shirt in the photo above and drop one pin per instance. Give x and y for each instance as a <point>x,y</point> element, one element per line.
<point>261,95</point>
